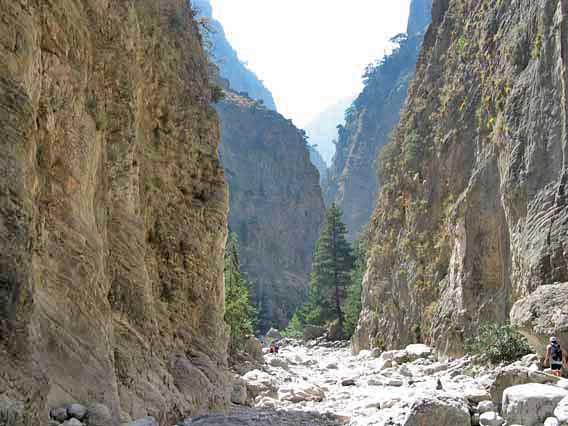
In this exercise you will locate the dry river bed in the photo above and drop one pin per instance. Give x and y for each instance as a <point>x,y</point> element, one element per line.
<point>324,384</point>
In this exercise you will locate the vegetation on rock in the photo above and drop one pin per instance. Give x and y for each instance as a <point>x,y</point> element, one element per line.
<point>498,343</point>
<point>240,315</point>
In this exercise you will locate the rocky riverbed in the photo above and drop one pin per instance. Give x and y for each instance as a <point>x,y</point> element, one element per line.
<point>322,384</point>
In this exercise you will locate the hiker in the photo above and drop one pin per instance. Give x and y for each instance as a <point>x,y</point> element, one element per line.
<point>555,357</point>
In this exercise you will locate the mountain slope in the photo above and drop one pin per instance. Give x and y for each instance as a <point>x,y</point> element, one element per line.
<point>107,293</point>
<point>472,211</point>
<point>226,58</point>
<point>322,131</point>
<point>276,205</point>
<point>352,183</point>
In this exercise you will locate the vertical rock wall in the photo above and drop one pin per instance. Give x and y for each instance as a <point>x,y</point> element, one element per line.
<point>113,210</point>
<point>472,211</point>
<point>352,183</point>
<point>276,205</point>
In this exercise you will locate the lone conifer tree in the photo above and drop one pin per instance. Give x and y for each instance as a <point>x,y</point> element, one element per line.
<point>240,315</point>
<point>333,262</point>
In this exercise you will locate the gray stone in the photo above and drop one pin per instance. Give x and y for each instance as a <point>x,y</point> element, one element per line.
<point>439,411</point>
<point>77,411</point>
<point>348,382</point>
<point>239,394</point>
<point>253,348</point>
<point>10,412</point>
<point>146,421</point>
<point>551,421</point>
<point>541,315</point>
<point>491,418</point>
<point>98,415</point>
<point>217,420</point>
<point>561,410</point>
<point>59,413</point>
<point>531,404</point>
<point>75,422</point>
<point>486,406</point>
<point>312,332</point>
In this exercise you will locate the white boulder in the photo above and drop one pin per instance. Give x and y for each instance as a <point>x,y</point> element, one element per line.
<point>439,410</point>
<point>531,404</point>
<point>491,418</point>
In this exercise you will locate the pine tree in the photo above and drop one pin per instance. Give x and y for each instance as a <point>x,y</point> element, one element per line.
<point>353,301</point>
<point>240,315</point>
<point>332,265</point>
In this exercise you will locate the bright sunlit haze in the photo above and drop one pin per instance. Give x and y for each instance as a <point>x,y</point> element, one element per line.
<point>310,53</point>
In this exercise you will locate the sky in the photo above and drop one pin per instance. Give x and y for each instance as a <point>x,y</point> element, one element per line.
<point>310,53</point>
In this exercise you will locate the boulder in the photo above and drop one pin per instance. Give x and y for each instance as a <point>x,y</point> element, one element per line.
<point>399,357</point>
<point>253,348</point>
<point>217,420</point>
<point>98,415</point>
<point>77,411</point>
<point>278,362</point>
<point>543,314</point>
<point>335,332</point>
<point>417,351</point>
<point>513,376</point>
<point>312,332</point>
<point>475,395</point>
<point>531,404</point>
<point>561,410</point>
<point>239,393</point>
<point>491,418</point>
<point>486,407</point>
<point>10,412</point>
<point>145,421</point>
<point>300,392</point>
<point>260,383</point>
<point>273,334</point>
<point>348,382</point>
<point>551,421</point>
<point>59,414</point>
<point>74,422</point>
<point>438,410</point>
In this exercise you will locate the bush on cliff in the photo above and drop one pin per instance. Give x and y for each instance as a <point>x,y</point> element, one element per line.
<point>498,343</point>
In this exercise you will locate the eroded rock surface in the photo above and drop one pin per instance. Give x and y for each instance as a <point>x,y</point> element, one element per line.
<point>113,211</point>
<point>276,205</point>
<point>472,211</point>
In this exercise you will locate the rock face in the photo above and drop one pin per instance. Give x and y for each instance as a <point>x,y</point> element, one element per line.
<point>472,211</point>
<point>276,206</point>
<point>543,314</point>
<point>226,58</point>
<point>352,181</point>
<point>113,211</point>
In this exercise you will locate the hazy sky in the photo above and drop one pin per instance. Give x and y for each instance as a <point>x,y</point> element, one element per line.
<point>310,53</point>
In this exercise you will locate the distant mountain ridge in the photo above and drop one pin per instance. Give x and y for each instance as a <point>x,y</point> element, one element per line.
<point>231,68</point>
<point>352,180</point>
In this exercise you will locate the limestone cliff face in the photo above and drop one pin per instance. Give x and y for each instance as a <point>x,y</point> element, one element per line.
<point>276,206</point>
<point>472,213</point>
<point>352,182</point>
<point>113,210</point>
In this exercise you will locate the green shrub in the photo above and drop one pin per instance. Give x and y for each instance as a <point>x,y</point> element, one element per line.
<point>295,329</point>
<point>498,343</point>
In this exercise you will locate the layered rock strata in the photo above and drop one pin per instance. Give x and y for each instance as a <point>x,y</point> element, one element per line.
<point>113,211</point>
<point>471,216</point>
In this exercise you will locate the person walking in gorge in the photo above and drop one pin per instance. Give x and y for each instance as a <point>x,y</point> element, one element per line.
<point>555,357</point>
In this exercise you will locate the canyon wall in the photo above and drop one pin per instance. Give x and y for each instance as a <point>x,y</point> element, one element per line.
<point>113,211</point>
<point>276,205</point>
<point>352,182</point>
<point>472,212</point>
